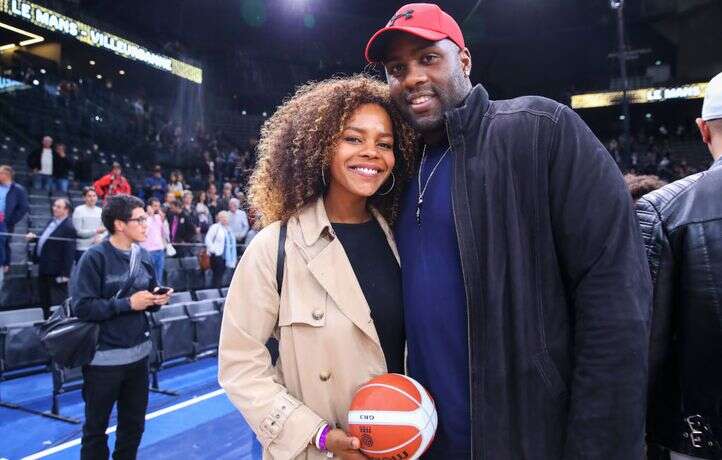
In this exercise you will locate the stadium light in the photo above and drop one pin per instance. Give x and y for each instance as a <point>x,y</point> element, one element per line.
<point>43,71</point>
<point>243,112</point>
<point>36,83</point>
<point>92,62</point>
<point>122,72</point>
<point>265,114</point>
<point>69,67</point>
<point>98,76</point>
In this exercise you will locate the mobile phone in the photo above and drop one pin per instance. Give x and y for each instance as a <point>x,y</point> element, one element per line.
<point>160,290</point>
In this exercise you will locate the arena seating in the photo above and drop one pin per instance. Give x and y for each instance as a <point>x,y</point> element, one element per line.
<point>181,332</point>
<point>180,297</point>
<point>206,294</point>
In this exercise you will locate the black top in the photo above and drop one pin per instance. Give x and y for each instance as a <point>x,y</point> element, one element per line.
<point>379,276</point>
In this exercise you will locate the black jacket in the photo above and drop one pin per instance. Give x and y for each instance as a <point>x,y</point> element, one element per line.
<point>56,257</point>
<point>186,229</point>
<point>61,166</point>
<point>16,206</point>
<point>557,284</point>
<point>682,228</point>
<point>101,273</point>
<point>35,157</point>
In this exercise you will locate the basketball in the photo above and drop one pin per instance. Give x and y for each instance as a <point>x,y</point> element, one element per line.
<point>394,418</point>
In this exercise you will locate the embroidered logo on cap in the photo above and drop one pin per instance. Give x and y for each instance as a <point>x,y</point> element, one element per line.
<point>407,15</point>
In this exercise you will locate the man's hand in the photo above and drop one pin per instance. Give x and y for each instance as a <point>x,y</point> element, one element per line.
<point>142,300</point>
<point>162,299</point>
<point>343,446</point>
<point>100,230</point>
<point>30,236</point>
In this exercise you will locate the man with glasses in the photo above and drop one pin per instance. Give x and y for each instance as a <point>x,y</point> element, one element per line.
<point>102,292</point>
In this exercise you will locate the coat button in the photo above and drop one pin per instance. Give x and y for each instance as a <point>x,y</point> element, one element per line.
<point>324,376</point>
<point>317,315</point>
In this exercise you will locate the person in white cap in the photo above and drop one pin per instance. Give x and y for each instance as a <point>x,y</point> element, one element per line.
<point>682,229</point>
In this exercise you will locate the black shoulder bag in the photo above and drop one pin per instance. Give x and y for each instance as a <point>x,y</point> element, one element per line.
<point>70,341</point>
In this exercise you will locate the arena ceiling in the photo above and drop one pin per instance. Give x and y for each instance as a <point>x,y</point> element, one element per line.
<point>518,46</point>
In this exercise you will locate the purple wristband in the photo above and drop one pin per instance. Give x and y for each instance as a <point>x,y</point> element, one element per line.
<point>322,438</point>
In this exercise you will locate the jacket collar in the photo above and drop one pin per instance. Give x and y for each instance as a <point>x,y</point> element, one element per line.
<point>313,221</point>
<point>717,163</point>
<point>476,104</point>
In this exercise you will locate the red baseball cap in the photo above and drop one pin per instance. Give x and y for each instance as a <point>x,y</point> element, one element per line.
<point>425,20</point>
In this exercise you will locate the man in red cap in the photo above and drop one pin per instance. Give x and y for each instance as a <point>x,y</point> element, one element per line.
<point>526,287</point>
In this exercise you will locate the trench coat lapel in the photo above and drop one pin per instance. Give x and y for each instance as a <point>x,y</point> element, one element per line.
<point>330,266</point>
<point>333,271</point>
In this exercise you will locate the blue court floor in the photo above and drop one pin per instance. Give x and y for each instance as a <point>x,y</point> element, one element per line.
<point>200,423</point>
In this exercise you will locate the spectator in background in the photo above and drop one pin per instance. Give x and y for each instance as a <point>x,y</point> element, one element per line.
<point>113,183</point>
<point>176,184</point>
<point>13,207</point>
<point>226,197</point>
<point>40,164</point>
<point>118,372</point>
<point>682,229</point>
<point>87,222</point>
<point>202,212</point>
<point>641,185</point>
<point>190,210</point>
<point>238,220</point>
<point>155,186</point>
<point>157,236</point>
<point>212,201</point>
<point>61,169</point>
<point>221,245</point>
<point>181,229</point>
<point>54,257</point>
<point>208,166</point>
<point>169,199</point>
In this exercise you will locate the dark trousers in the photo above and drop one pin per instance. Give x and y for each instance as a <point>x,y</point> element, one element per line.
<point>50,292</point>
<point>103,386</point>
<point>218,266</point>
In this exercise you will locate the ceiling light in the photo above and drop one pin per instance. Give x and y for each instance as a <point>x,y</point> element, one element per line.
<point>31,37</point>
<point>122,72</point>
<point>98,76</point>
<point>92,62</point>
<point>69,67</point>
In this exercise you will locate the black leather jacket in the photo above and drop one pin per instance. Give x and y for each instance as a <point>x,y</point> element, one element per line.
<point>682,228</point>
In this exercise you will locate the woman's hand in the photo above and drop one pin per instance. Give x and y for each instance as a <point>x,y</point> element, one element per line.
<point>344,446</point>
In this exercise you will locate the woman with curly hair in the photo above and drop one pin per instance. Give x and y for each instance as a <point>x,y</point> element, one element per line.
<point>331,163</point>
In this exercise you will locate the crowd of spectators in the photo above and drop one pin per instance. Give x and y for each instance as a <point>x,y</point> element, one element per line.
<point>652,153</point>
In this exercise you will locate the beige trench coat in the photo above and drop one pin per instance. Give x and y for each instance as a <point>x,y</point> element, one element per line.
<point>328,344</point>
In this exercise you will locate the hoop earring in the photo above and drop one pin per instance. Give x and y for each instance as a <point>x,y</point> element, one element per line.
<point>323,177</point>
<point>393,183</point>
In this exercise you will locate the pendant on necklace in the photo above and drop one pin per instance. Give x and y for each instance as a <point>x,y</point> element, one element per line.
<point>418,211</point>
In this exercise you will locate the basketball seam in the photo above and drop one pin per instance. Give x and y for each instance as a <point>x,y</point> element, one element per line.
<point>391,387</point>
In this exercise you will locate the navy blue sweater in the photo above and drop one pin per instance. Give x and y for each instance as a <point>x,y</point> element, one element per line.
<point>101,272</point>
<point>435,305</point>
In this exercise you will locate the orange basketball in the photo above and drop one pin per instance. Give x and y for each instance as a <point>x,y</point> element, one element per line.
<point>394,417</point>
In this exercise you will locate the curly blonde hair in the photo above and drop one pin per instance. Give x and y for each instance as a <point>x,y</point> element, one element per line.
<point>299,140</point>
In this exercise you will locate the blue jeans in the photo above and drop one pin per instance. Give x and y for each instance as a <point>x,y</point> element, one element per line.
<point>158,258</point>
<point>42,181</point>
<point>60,185</point>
